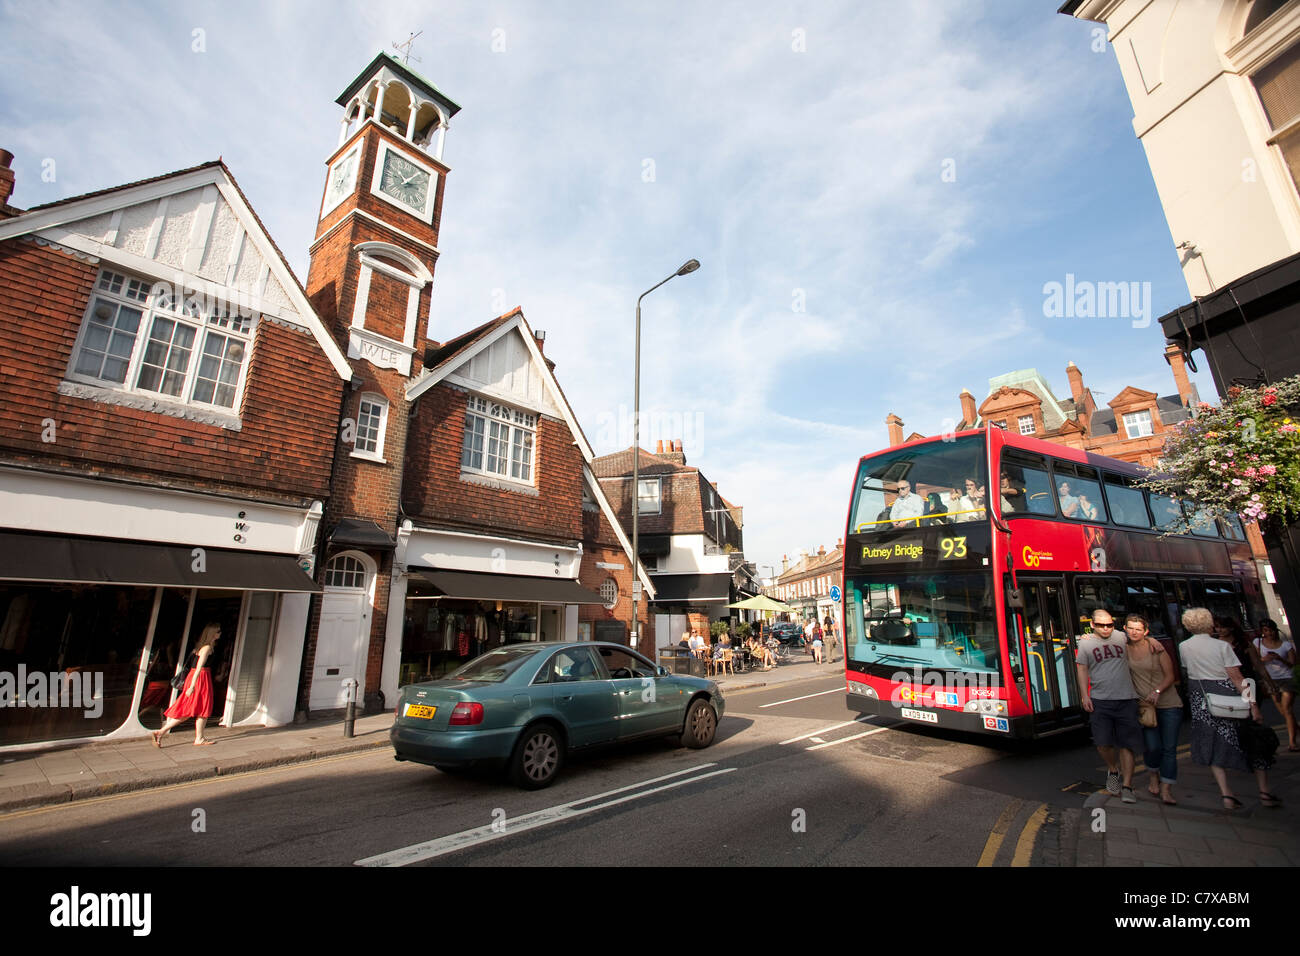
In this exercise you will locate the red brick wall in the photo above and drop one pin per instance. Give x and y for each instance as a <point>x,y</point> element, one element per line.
<point>433,488</point>
<point>601,547</point>
<point>680,509</point>
<point>289,412</point>
<point>386,306</point>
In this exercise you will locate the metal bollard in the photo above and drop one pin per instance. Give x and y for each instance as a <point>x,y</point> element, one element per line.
<point>350,717</point>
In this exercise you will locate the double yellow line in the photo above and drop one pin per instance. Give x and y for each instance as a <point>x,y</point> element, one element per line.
<point>1028,834</point>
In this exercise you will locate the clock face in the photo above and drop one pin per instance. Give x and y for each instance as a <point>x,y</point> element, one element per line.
<point>405,182</point>
<point>342,179</point>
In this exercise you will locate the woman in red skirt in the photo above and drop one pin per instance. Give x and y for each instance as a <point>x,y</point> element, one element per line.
<point>196,701</point>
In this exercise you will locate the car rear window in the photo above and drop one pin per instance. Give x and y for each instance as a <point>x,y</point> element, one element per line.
<point>495,666</point>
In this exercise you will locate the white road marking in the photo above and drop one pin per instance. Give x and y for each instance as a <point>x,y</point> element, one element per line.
<point>529,821</point>
<point>778,703</point>
<point>817,740</point>
<point>825,730</point>
<point>844,740</point>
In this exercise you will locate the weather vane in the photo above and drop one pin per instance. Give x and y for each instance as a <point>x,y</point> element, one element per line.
<point>405,48</point>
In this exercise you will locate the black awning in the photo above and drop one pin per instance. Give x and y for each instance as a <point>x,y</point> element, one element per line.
<point>362,533</point>
<point>656,544</point>
<point>60,558</point>
<point>692,587</point>
<point>473,586</point>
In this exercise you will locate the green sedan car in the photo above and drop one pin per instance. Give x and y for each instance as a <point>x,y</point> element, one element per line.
<point>525,706</point>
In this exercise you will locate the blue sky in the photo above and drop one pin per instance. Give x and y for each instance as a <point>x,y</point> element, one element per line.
<point>878,193</point>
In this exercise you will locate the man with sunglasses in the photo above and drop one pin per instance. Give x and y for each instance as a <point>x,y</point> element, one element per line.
<point>1111,700</point>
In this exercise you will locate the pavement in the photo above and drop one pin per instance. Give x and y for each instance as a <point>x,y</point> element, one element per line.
<point>1196,832</point>
<point>78,771</point>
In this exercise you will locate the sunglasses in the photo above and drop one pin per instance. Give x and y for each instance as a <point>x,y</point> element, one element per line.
<point>1097,624</point>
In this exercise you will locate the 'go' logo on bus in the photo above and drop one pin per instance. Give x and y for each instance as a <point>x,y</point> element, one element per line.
<point>1034,559</point>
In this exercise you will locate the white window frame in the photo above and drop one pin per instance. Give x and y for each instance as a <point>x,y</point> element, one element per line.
<point>1024,420</point>
<point>377,453</point>
<point>658,496</point>
<point>516,422</point>
<point>1138,416</point>
<point>206,317</point>
<point>606,586</point>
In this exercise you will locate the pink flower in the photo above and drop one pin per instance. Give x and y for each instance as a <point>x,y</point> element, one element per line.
<point>1268,399</point>
<point>1268,469</point>
<point>1236,481</point>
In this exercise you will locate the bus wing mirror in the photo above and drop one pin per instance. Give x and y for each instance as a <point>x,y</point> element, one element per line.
<point>1015,600</point>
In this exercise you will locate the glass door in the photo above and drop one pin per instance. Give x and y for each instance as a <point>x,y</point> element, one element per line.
<point>1048,653</point>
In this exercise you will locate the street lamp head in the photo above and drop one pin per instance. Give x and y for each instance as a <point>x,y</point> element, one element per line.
<point>689,267</point>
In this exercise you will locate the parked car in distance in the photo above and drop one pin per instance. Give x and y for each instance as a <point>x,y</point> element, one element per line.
<point>788,633</point>
<point>526,706</point>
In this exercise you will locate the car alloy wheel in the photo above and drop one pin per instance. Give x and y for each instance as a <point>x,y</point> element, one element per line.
<point>701,725</point>
<point>537,758</point>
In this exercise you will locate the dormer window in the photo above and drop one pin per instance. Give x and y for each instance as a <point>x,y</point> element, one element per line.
<point>1026,424</point>
<point>1138,424</point>
<point>155,340</point>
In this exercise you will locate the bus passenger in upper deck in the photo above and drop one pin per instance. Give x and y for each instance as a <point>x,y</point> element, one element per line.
<point>1087,509</point>
<point>1013,495</point>
<point>936,511</point>
<point>907,507</point>
<point>1069,503</point>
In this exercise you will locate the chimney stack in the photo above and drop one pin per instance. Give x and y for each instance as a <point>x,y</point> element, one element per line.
<point>785,563</point>
<point>968,413</point>
<point>674,452</point>
<point>1178,362</point>
<point>539,335</point>
<point>1076,384</point>
<point>659,447</point>
<point>6,177</point>
<point>895,429</point>
<point>821,550</point>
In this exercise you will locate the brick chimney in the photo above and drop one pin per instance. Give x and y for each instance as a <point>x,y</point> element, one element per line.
<point>674,452</point>
<point>539,336</point>
<point>785,563</point>
<point>968,413</point>
<point>1178,362</point>
<point>821,550</point>
<point>1076,384</point>
<point>895,429</point>
<point>659,447</point>
<point>6,184</point>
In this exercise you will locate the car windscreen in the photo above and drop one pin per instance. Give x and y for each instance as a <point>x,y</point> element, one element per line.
<point>495,666</point>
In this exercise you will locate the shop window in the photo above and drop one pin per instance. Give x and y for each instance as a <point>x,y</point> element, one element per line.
<point>79,647</point>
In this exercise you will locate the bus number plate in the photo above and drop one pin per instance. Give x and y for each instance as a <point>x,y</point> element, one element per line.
<point>925,715</point>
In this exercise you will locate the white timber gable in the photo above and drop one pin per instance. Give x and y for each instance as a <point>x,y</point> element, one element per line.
<point>505,370</point>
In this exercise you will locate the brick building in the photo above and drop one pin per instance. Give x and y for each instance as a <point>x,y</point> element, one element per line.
<point>691,538</point>
<point>457,521</point>
<point>169,398</point>
<point>806,584</point>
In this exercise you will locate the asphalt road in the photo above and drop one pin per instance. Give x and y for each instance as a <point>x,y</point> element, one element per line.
<point>793,779</point>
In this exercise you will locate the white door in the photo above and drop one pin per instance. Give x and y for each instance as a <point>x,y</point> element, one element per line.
<point>340,647</point>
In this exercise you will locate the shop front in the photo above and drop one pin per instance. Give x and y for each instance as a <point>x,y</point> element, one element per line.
<point>475,593</point>
<point>92,629</point>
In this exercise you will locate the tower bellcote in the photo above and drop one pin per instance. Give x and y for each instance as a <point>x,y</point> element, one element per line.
<point>393,95</point>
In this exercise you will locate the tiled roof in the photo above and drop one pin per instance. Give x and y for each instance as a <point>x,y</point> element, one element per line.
<point>619,464</point>
<point>138,182</point>
<point>1169,407</point>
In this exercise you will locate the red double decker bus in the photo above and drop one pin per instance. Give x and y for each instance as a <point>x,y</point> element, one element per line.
<point>973,563</point>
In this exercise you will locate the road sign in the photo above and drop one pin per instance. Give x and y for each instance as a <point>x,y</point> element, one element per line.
<point>835,593</point>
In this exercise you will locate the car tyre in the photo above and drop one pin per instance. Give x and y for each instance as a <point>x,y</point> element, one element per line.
<point>537,758</point>
<point>701,725</point>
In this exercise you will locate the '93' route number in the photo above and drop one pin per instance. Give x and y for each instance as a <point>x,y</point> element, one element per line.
<point>952,547</point>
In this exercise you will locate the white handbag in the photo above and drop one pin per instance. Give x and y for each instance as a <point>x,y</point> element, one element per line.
<point>1233,707</point>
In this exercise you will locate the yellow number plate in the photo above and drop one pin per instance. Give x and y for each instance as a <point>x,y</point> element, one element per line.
<point>419,710</point>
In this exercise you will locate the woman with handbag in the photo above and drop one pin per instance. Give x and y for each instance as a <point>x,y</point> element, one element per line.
<point>196,700</point>
<point>1215,690</point>
<point>1160,709</point>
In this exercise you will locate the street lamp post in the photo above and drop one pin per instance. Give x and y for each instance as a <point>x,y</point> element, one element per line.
<point>687,268</point>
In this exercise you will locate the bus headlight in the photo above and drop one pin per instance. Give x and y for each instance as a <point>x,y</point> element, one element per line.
<point>989,706</point>
<point>862,689</point>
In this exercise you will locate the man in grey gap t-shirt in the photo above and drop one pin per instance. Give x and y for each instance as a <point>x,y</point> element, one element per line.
<point>1102,659</point>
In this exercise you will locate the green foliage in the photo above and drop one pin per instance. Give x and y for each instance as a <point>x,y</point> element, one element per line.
<point>1242,457</point>
<point>743,630</point>
<point>718,628</point>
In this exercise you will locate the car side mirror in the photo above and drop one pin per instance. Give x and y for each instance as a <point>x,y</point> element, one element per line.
<point>661,671</point>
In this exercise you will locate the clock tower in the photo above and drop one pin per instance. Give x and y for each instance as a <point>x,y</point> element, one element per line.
<point>370,281</point>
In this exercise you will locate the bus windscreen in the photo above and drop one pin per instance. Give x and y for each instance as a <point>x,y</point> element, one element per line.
<point>942,482</point>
